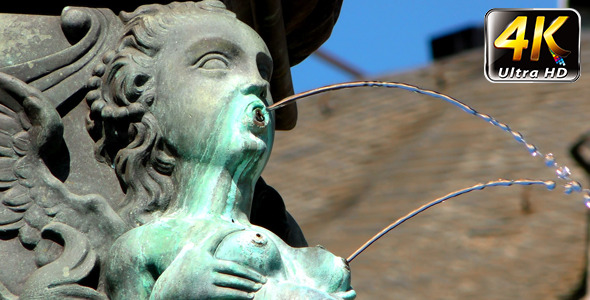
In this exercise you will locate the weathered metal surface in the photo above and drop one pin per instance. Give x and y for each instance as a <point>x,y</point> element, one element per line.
<point>175,109</point>
<point>299,28</point>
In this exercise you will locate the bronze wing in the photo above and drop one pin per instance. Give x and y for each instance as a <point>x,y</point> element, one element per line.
<point>37,207</point>
<point>51,239</point>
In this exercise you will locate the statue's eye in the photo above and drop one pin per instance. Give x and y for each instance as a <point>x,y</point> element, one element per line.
<point>212,62</point>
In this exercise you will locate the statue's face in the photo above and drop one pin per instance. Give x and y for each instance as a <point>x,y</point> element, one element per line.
<point>212,90</point>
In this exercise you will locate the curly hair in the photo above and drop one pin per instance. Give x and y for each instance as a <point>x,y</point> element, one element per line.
<point>122,89</point>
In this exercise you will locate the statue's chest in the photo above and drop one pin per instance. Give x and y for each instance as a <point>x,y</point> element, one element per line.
<point>253,249</point>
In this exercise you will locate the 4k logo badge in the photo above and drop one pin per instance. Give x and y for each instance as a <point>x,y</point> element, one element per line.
<point>532,45</point>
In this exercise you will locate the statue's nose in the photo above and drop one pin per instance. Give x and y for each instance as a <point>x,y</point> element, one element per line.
<point>258,89</point>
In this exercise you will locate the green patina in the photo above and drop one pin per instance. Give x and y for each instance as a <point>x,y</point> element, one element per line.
<point>210,105</point>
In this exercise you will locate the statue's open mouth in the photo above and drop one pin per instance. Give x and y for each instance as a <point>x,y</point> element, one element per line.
<point>259,118</point>
<point>256,117</point>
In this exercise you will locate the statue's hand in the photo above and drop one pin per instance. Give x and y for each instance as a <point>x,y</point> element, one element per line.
<point>231,279</point>
<point>196,274</point>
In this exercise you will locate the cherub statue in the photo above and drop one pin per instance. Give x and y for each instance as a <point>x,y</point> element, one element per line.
<point>178,109</point>
<point>195,82</point>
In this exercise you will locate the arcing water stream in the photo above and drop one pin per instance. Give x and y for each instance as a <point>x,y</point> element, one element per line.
<point>562,172</point>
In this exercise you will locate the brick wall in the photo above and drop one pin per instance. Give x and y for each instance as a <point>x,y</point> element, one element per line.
<point>359,159</point>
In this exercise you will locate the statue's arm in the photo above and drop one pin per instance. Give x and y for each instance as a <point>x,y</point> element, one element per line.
<point>127,271</point>
<point>196,274</point>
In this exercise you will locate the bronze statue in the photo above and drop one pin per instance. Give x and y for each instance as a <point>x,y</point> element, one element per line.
<point>178,110</point>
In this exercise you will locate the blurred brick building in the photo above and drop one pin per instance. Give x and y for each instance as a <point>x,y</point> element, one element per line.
<point>361,158</point>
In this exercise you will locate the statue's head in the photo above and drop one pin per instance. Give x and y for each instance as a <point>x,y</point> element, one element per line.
<point>188,82</point>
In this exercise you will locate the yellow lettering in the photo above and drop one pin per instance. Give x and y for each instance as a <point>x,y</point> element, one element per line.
<point>548,35</point>
<point>519,43</point>
<point>537,38</point>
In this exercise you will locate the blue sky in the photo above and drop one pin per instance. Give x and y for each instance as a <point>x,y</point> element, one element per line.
<point>387,36</point>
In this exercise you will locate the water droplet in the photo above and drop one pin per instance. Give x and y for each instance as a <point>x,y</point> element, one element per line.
<point>576,186</point>
<point>568,188</point>
<point>532,149</point>
<point>518,137</point>
<point>549,160</point>
<point>485,117</point>
<point>563,172</point>
<point>587,199</point>
<point>503,126</point>
<point>550,184</point>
